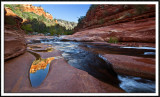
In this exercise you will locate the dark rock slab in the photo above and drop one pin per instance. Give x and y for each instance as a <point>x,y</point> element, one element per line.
<point>134,66</point>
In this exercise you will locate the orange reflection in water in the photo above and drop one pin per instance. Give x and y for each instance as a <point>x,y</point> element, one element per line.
<point>40,64</point>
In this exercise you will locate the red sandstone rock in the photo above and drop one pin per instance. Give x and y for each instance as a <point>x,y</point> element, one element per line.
<point>14,44</point>
<point>120,21</point>
<point>9,12</point>
<point>37,10</point>
<point>134,66</point>
<point>124,32</point>
<point>62,78</point>
<point>113,14</point>
<point>10,16</point>
<point>14,41</point>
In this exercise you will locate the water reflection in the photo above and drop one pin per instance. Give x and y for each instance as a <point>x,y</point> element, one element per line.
<point>86,56</point>
<point>39,69</point>
<point>40,64</point>
<point>88,61</point>
<point>81,56</point>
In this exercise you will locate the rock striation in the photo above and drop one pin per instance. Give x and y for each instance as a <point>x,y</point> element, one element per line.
<point>14,44</point>
<point>133,66</point>
<point>61,78</point>
<point>126,23</point>
<point>14,41</point>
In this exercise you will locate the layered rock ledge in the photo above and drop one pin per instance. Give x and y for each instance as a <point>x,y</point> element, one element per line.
<point>133,66</point>
<point>14,44</point>
<point>124,32</point>
<point>62,78</point>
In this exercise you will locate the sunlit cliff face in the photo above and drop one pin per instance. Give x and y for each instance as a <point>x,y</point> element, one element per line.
<point>37,10</point>
<point>40,64</point>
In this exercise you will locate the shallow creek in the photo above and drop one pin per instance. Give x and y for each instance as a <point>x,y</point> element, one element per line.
<point>88,57</point>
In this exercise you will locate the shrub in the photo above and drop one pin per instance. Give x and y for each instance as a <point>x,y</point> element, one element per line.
<point>39,24</point>
<point>27,27</point>
<point>10,20</point>
<point>29,15</point>
<point>101,21</point>
<point>93,6</point>
<point>125,6</point>
<point>117,10</point>
<point>106,13</point>
<point>128,14</point>
<point>102,6</point>
<point>11,6</point>
<point>113,40</point>
<point>81,19</point>
<point>141,9</point>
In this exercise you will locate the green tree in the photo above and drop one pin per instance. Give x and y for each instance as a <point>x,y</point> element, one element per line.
<point>27,27</point>
<point>141,8</point>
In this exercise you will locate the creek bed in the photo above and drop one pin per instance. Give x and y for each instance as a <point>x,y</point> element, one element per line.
<point>88,57</point>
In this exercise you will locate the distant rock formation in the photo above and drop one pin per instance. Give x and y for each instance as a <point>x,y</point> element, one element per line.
<point>68,25</point>
<point>126,23</point>
<point>29,12</point>
<point>37,10</point>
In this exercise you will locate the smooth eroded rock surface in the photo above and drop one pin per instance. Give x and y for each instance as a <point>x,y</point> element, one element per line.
<point>131,65</point>
<point>14,44</point>
<point>124,32</point>
<point>122,23</point>
<point>62,78</point>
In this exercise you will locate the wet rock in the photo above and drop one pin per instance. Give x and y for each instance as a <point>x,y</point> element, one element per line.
<point>134,66</point>
<point>36,38</point>
<point>14,44</point>
<point>62,78</point>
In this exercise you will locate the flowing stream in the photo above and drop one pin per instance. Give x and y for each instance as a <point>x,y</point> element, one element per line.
<point>88,57</point>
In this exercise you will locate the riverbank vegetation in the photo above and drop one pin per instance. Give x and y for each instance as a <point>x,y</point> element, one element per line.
<point>34,23</point>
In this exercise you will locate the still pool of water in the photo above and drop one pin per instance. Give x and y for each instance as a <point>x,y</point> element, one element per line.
<point>87,57</point>
<point>38,77</point>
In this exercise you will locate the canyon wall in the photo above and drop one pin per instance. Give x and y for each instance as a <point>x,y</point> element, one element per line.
<point>37,10</point>
<point>14,41</point>
<point>125,23</point>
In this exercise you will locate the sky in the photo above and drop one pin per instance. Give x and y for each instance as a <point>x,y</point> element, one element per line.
<point>69,12</point>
